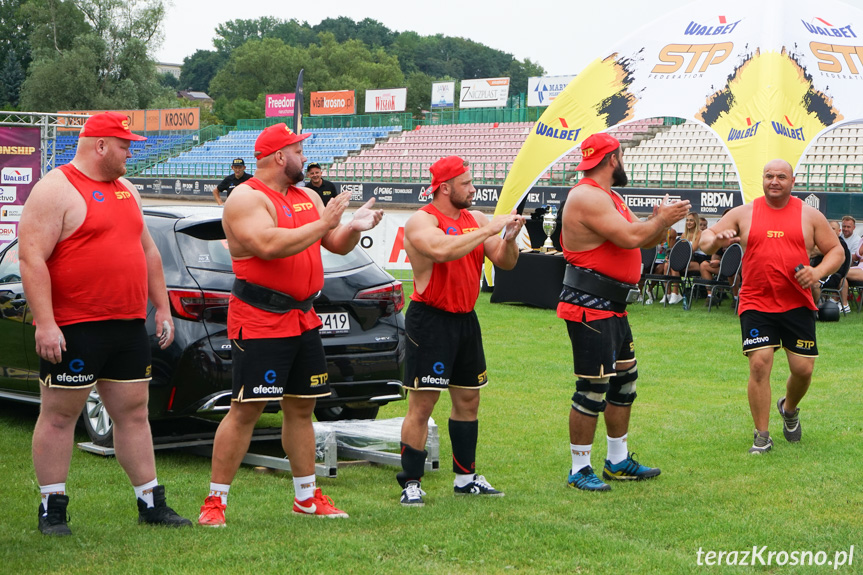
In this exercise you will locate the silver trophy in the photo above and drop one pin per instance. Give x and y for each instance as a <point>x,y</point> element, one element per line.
<point>549,222</point>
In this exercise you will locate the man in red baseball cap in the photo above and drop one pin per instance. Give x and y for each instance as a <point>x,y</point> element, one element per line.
<point>601,238</point>
<point>447,244</point>
<point>84,221</point>
<point>275,231</point>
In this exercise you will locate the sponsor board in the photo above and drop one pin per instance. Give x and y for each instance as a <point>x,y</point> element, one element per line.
<point>339,102</point>
<point>542,90</point>
<point>443,95</point>
<point>16,176</point>
<point>8,232</point>
<point>484,93</point>
<point>390,100</point>
<point>279,105</point>
<point>10,213</point>
<point>8,194</point>
<point>165,119</point>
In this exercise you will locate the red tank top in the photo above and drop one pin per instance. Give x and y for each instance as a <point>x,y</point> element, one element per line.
<point>300,275</point>
<point>100,271</point>
<point>774,248</point>
<point>618,263</point>
<point>454,286</point>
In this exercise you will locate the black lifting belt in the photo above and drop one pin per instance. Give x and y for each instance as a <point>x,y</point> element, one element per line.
<point>596,284</point>
<point>269,299</point>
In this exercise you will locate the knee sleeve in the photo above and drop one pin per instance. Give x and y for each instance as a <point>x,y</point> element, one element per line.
<point>588,396</point>
<point>621,387</point>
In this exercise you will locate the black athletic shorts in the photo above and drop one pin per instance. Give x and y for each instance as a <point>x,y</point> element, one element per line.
<point>831,282</point>
<point>273,368</point>
<point>444,349</point>
<point>598,345</point>
<point>794,330</point>
<point>110,350</point>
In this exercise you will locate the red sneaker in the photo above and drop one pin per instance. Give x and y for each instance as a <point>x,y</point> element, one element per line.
<point>212,512</point>
<point>319,505</point>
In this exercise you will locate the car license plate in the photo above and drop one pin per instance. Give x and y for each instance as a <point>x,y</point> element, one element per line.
<point>334,323</point>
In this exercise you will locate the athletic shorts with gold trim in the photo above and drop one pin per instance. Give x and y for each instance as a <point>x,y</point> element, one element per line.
<point>109,350</point>
<point>272,368</point>
<point>444,349</point>
<point>793,329</point>
<point>598,345</point>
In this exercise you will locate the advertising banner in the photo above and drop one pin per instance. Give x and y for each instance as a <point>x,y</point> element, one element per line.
<point>334,103</point>
<point>276,105</point>
<point>166,120</point>
<point>484,93</point>
<point>389,100</point>
<point>542,90</point>
<point>20,168</point>
<point>443,95</point>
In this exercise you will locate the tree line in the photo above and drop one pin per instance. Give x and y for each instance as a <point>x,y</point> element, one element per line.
<point>98,54</point>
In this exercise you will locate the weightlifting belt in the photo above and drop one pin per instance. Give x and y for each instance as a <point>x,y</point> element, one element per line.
<point>591,289</point>
<point>269,299</point>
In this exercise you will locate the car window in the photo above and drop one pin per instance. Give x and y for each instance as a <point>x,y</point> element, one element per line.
<point>204,249</point>
<point>356,258</point>
<point>10,268</point>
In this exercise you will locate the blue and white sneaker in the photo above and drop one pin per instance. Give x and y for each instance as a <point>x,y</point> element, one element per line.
<point>628,470</point>
<point>412,495</point>
<point>586,480</point>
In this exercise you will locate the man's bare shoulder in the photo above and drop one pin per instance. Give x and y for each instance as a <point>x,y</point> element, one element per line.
<point>53,190</point>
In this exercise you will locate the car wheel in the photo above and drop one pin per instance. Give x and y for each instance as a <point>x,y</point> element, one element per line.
<point>339,413</point>
<point>96,420</point>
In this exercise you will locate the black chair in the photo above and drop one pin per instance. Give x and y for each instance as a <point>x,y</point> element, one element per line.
<point>648,262</point>
<point>855,293</point>
<point>729,268</point>
<point>678,260</point>
<point>842,272</point>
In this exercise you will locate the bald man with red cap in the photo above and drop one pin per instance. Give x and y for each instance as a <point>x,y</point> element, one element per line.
<point>89,265</point>
<point>446,244</point>
<point>601,238</point>
<point>275,231</point>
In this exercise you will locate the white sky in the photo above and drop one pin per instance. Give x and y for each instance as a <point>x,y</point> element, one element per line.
<point>563,36</point>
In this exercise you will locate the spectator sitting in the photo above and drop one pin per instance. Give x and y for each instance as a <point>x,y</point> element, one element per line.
<point>852,240</point>
<point>660,264</point>
<point>325,188</point>
<point>834,280</point>
<point>239,176</point>
<point>692,233</point>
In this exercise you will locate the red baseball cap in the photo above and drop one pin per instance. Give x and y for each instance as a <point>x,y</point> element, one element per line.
<point>109,125</point>
<point>274,138</point>
<point>594,148</point>
<point>444,170</point>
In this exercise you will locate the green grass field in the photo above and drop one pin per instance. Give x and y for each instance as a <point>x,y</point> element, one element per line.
<point>691,419</point>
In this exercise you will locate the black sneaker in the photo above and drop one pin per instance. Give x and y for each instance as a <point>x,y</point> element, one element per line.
<point>479,486</point>
<point>160,513</point>
<point>53,522</point>
<point>790,422</point>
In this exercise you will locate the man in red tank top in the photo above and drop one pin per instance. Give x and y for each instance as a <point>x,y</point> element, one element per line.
<point>776,308</point>
<point>446,244</point>
<point>601,238</point>
<point>84,221</point>
<point>275,231</point>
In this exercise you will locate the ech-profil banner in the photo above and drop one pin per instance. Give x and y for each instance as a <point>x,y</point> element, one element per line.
<point>390,100</point>
<point>279,105</point>
<point>333,103</point>
<point>20,168</point>
<point>443,95</point>
<point>484,93</point>
<point>541,91</point>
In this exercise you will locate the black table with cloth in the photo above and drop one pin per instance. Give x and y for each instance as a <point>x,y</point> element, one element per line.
<point>536,280</point>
